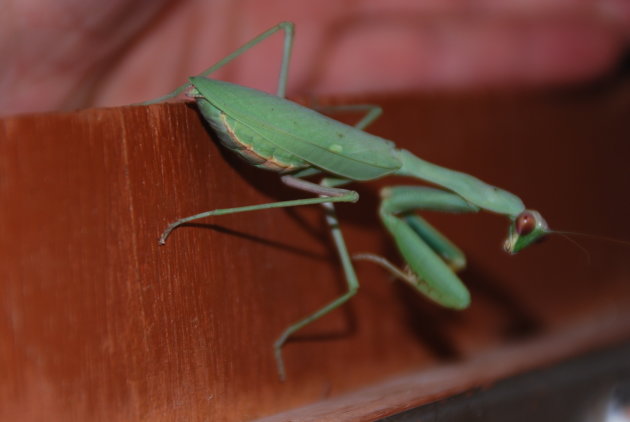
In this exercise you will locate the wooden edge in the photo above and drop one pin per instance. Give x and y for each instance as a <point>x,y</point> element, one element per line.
<point>427,386</point>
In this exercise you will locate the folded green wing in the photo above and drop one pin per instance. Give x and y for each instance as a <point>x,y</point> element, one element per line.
<point>328,144</point>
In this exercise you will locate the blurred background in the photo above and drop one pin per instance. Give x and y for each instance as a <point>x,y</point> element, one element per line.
<point>72,54</point>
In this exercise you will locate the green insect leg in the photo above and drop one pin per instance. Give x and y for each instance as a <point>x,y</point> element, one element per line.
<point>431,257</point>
<point>331,194</point>
<point>349,275</point>
<point>289,32</point>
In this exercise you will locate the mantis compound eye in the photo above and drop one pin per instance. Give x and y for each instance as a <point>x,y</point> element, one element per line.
<point>525,223</point>
<point>528,228</point>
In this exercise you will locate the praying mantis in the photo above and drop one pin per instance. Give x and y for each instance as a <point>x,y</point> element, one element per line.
<point>273,133</point>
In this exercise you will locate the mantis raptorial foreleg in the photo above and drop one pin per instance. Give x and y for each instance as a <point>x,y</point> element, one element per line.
<point>429,254</point>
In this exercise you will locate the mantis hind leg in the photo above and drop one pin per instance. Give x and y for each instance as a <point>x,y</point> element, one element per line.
<point>431,257</point>
<point>289,32</point>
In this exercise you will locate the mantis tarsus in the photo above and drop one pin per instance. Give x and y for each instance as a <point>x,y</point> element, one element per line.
<point>275,134</point>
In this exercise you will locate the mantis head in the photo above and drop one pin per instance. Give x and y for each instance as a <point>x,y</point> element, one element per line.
<point>528,227</point>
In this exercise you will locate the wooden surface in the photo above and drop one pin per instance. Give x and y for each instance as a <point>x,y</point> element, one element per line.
<point>97,322</point>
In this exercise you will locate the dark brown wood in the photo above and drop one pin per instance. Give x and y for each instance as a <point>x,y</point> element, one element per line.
<point>97,322</point>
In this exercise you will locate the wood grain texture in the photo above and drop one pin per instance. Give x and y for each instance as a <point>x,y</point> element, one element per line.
<point>98,322</point>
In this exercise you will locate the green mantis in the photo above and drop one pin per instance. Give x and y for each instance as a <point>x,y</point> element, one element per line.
<point>275,134</point>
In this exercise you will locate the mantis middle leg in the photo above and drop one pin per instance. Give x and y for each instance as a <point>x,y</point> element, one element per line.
<point>352,283</point>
